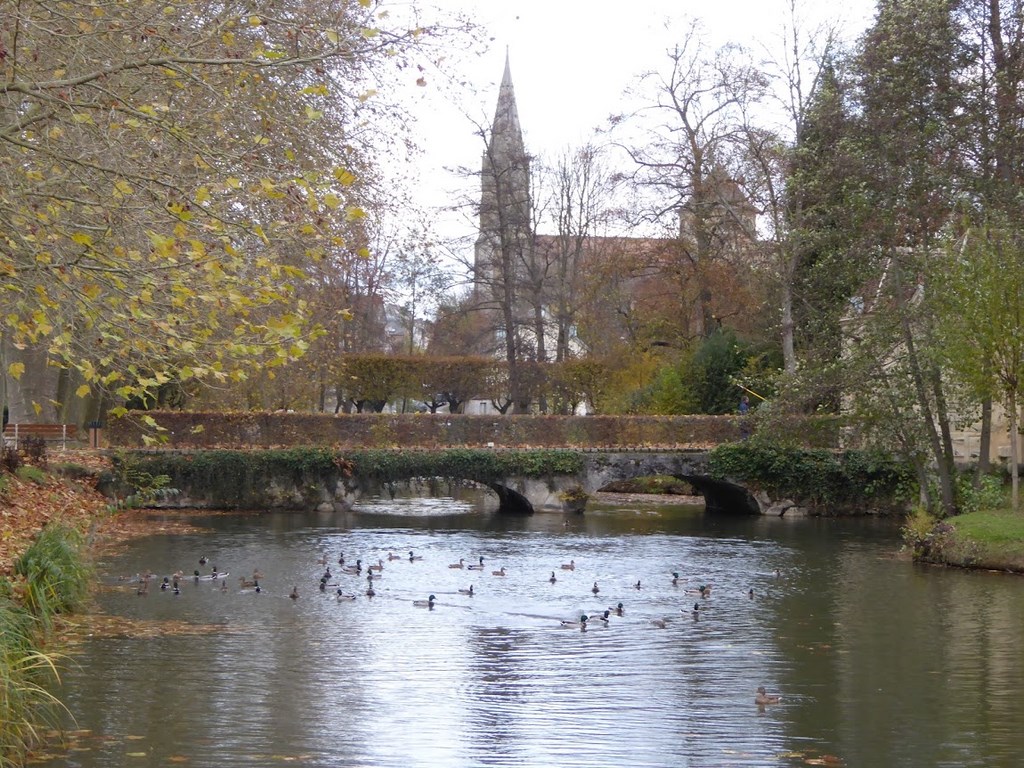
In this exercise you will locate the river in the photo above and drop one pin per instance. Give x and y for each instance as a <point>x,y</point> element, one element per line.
<point>878,662</point>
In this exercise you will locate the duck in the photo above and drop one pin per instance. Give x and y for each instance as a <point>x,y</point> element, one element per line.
<point>322,560</point>
<point>428,603</point>
<point>499,572</point>
<point>763,697</point>
<point>659,623</point>
<point>165,583</point>
<point>460,564</point>
<point>354,569</point>
<point>570,566</point>
<point>393,556</point>
<point>704,590</point>
<point>595,589</point>
<point>294,595</point>
<point>675,578</point>
<point>413,558</point>
<point>378,567</point>
<point>601,617</point>
<point>618,609</point>
<point>203,560</point>
<point>476,566</point>
<point>696,611</point>
<point>750,593</point>
<point>581,624</point>
<point>327,575</point>
<point>345,595</point>
<point>552,579</point>
<point>341,558</point>
<point>637,585</point>
<point>256,574</point>
<point>467,591</point>
<point>257,589</point>
<point>323,585</point>
<point>370,591</point>
<point>177,590</point>
<point>244,582</point>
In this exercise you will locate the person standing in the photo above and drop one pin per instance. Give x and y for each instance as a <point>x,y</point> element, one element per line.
<point>744,409</point>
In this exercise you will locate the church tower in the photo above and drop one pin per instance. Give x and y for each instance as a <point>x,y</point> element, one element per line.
<point>505,239</point>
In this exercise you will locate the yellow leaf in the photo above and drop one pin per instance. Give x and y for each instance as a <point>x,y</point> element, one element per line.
<point>200,163</point>
<point>331,200</point>
<point>363,253</point>
<point>82,239</point>
<point>368,33</point>
<point>15,370</point>
<point>365,3</point>
<point>345,178</point>
<point>313,114</point>
<point>255,21</point>
<point>83,390</point>
<point>332,35</point>
<point>122,188</point>
<point>202,195</point>
<point>81,117</point>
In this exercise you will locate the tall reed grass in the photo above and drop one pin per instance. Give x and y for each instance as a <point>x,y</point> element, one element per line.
<point>53,579</point>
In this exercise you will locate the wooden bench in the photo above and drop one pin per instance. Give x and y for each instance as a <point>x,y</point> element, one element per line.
<point>13,433</point>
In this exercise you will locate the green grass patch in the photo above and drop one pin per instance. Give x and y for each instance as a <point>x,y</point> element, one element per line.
<point>992,539</point>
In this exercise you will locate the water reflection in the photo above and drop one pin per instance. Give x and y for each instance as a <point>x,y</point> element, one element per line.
<point>879,663</point>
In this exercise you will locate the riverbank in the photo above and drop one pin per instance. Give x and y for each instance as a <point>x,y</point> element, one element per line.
<point>991,539</point>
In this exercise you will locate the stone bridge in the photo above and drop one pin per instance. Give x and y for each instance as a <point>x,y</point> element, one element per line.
<point>525,494</point>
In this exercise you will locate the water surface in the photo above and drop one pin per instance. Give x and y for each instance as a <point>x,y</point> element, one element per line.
<point>879,662</point>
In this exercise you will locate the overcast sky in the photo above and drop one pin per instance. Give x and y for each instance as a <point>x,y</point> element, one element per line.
<point>572,59</point>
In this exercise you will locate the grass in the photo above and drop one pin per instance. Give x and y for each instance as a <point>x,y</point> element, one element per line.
<point>991,538</point>
<point>27,708</point>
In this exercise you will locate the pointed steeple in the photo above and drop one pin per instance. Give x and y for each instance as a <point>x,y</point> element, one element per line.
<point>505,231</point>
<point>506,133</point>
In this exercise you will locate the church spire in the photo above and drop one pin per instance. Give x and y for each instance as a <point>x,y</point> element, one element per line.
<point>506,133</point>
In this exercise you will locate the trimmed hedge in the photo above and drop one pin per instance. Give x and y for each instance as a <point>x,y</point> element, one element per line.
<point>196,430</point>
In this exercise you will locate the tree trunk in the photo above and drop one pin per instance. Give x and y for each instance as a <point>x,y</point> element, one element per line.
<point>985,448</point>
<point>1014,453</point>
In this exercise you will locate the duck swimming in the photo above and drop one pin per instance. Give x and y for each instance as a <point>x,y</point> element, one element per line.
<point>500,572</point>
<point>552,579</point>
<point>763,697</point>
<point>428,603</point>
<point>476,566</point>
<point>619,610</point>
<point>345,595</point>
<point>354,569</point>
<point>467,591</point>
<point>413,558</point>
<point>659,623</point>
<point>582,623</point>
<point>570,566</point>
<point>595,589</point>
<point>294,595</point>
<point>675,578</point>
<point>460,564</point>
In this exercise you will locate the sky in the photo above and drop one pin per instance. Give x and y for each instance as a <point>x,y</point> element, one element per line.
<point>571,61</point>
